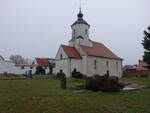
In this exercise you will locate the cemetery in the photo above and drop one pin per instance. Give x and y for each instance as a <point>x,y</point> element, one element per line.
<point>90,74</point>
<point>47,96</point>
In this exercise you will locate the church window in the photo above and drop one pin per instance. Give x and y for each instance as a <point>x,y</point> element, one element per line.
<point>95,64</point>
<point>61,56</point>
<point>117,66</point>
<point>107,64</point>
<point>22,67</point>
<point>74,32</point>
<point>86,31</point>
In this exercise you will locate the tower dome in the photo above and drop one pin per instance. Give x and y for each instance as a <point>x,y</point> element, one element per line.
<point>80,19</point>
<point>80,15</point>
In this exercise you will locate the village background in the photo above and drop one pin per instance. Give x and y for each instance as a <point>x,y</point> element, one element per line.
<point>117,24</point>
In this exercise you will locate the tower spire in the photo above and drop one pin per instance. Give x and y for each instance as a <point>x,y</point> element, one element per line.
<point>80,8</point>
<point>80,15</point>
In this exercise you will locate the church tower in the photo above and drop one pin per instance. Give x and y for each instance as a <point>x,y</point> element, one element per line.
<point>80,32</point>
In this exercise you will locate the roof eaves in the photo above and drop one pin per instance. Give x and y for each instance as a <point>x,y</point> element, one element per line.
<point>106,57</point>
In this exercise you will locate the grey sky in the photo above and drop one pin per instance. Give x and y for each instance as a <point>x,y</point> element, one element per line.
<point>36,28</point>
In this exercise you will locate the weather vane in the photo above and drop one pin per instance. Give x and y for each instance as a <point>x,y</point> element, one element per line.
<point>80,6</point>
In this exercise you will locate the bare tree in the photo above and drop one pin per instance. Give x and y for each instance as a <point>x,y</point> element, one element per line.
<point>18,59</point>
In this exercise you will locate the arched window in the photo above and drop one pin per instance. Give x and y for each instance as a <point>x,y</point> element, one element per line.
<point>74,32</point>
<point>60,56</point>
<point>86,31</point>
<point>95,64</point>
<point>107,64</point>
<point>117,66</point>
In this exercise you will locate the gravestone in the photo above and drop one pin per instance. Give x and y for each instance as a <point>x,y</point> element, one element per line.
<point>63,82</point>
<point>30,74</point>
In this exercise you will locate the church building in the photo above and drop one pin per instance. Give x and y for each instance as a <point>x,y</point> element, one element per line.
<point>86,56</point>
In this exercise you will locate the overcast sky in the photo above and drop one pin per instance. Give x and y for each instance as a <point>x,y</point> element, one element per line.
<point>36,28</point>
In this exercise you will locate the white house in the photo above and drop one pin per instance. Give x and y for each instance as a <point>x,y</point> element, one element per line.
<point>87,56</point>
<point>46,63</point>
<point>8,67</point>
<point>26,68</point>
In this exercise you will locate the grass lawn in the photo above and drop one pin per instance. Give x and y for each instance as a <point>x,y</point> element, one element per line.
<point>139,80</point>
<point>40,75</point>
<point>11,76</point>
<point>21,76</point>
<point>45,96</point>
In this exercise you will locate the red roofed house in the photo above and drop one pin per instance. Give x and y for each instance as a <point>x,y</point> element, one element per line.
<point>86,56</point>
<point>48,64</point>
<point>136,70</point>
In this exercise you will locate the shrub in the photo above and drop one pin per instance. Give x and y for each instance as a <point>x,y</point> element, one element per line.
<point>60,75</point>
<point>77,74</point>
<point>40,70</point>
<point>102,83</point>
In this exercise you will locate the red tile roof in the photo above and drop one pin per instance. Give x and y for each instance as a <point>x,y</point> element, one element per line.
<point>26,65</point>
<point>99,50</point>
<point>139,67</point>
<point>44,62</point>
<point>71,51</point>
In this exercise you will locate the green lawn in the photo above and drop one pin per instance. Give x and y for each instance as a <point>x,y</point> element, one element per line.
<point>21,76</point>
<point>45,96</point>
<point>11,77</point>
<point>139,80</point>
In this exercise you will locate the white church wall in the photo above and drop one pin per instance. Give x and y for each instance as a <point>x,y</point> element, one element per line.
<point>102,65</point>
<point>65,64</point>
<point>68,65</point>
<point>84,65</point>
<point>76,64</point>
<point>115,67</point>
<point>61,52</point>
<point>62,63</point>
